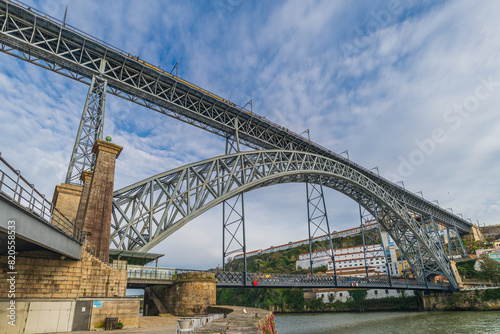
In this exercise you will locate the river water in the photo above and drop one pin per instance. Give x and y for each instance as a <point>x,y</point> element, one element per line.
<point>389,322</point>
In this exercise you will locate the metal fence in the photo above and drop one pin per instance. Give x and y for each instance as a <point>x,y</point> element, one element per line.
<point>18,190</point>
<point>240,279</point>
<point>225,278</point>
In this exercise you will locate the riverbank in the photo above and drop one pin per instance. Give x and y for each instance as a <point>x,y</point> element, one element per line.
<point>472,300</point>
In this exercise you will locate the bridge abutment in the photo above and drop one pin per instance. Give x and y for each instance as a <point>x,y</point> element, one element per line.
<point>191,294</point>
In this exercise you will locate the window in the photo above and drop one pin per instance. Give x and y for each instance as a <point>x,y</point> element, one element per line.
<point>376,292</point>
<point>340,294</point>
<point>386,292</point>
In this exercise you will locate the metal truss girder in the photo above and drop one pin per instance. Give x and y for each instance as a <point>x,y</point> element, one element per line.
<point>90,129</point>
<point>187,192</point>
<point>65,50</point>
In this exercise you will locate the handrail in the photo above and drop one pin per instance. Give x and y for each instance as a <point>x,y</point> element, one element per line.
<point>271,279</point>
<point>19,191</point>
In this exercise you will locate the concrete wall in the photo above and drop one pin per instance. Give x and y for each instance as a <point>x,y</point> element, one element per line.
<point>55,278</point>
<point>49,316</point>
<point>126,310</point>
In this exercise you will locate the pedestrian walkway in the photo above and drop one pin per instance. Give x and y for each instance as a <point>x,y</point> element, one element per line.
<point>165,325</point>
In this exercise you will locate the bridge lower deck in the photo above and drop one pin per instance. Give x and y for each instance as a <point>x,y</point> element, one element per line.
<point>150,276</point>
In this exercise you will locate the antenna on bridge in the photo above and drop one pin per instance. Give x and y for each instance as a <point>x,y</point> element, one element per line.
<point>308,134</point>
<point>176,68</point>
<point>251,105</point>
<point>64,19</point>
<point>347,153</point>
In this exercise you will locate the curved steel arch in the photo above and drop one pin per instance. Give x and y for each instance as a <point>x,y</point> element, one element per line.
<point>147,212</point>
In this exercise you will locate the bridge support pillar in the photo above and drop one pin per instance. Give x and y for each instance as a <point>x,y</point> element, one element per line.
<point>97,222</point>
<point>190,295</point>
<point>475,234</point>
<point>453,266</point>
<point>66,198</point>
<point>84,199</point>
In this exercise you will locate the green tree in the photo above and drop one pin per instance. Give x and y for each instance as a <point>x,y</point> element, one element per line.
<point>358,295</point>
<point>490,269</point>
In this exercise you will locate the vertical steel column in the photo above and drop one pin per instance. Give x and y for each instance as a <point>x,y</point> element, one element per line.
<point>90,129</point>
<point>423,267</point>
<point>432,229</point>
<point>363,238</point>
<point>382,243</point>
<point>318,225</point>
<point>455,245</point>
<point>366,217</point>
<point>233,216</point>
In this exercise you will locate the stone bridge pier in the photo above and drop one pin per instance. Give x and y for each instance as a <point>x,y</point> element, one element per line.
<point>190,295</point>
<point>53,293</point>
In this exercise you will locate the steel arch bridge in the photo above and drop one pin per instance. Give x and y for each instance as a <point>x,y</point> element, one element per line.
<point>149,211</point>
<point>39,39</point>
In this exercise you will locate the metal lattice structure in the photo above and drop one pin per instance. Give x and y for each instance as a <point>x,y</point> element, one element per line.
<point>372,237</point>
<point>456,248</point>
<point>39,39</point>
<point>317,223</point>
<point>233,215</point>
<point>147,212</point>
<point>90,129</point>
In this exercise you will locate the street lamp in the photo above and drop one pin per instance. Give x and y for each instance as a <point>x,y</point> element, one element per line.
<point>421,194</point>
<point>402,183</point>
<point>378,172</point>
<point>347,153</point>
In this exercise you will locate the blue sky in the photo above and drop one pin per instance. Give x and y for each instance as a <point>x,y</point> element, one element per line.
<point>410,87</point>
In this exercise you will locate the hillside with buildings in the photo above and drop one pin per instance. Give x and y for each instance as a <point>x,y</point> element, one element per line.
<point>353,258</point>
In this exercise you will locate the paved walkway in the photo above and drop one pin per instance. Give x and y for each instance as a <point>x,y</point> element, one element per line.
<point>166,325</point>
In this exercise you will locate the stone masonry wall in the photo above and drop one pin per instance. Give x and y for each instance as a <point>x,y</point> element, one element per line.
<point>54,278</point>
<point>492,232</point>
<point>66,199</point>
<point>190,295</point>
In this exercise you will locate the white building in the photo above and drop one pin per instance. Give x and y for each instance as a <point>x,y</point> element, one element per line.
<point>343,295</point>
<point>349,261</point>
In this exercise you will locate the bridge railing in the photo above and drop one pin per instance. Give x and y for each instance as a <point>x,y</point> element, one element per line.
<point>151,273</point>
<point>228,278</point>
<point>19,191</point>
<point>291,280</point>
